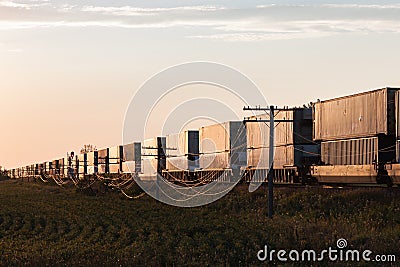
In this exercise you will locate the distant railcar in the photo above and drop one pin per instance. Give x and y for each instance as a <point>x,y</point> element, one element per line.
<point>132,158</point>
<point>103,161</point>
<point>116,156</point>
<point>182,156</point>
<point>153,158</point>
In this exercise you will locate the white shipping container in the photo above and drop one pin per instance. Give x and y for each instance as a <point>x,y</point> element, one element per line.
<point>132,158</point>
<point>149,169</point>
<point>182,163</point>
<point>82,161</point>
<point>92,160</point>
<point>115,159</point>
<point>223,146</point>
<point>361,151</point>
<point>284,156</point>
<point>182,151</point>
<point>153,155</point>
<point>132,152</point>
<point>297,130</point>
<point>360,115</point>
<point>103,166</point>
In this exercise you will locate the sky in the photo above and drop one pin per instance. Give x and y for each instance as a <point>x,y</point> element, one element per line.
<point>68,69</point>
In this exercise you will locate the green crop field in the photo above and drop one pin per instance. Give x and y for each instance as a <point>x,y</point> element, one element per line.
<point>42,224</point>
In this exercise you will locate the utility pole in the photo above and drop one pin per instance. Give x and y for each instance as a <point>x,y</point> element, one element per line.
<point>270,175</point>
<point>271,163</point>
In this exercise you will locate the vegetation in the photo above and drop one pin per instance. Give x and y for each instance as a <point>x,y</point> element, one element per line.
<point>88,148</point>
<point>47,225</point>
<point>3,174</point>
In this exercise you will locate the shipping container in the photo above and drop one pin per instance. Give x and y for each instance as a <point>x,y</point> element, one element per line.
<point>65,166</point>
<point>26,171</point>
<point>53,169</point>
<point>132,158</point>
<point>56,167</point>
<point>181,163</point>
<point>37,169</point>
<point>360,115</point>
<point>116,154</point>
<point>153,156</point>
<point>103,161</point>
<point>132,152</point>
<point>298,129</point>
<point>359,151</point>
<point>183,151</point>
<point>81,164</point>
<point>32,170</point>
<point>61,166</point>
<point>284,156</point>
<point>49,167</point>
<point>42,168</point>
<point>223,146</point>
<point>92,165</point>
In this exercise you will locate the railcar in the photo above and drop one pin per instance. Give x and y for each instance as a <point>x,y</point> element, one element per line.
<point>294,149</point>
<point>358,136</point>
<point>182,157</point>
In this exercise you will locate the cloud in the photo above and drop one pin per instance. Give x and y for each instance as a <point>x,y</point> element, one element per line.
<point>252,37</point>
<point>394,6</point>
<point>299,30</point>
<point>25,4</point>
<point>12,25</point>
<point>262,22</point>
<point>138,11</point>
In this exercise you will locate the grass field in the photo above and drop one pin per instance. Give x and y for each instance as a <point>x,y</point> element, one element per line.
<point>48,225</point>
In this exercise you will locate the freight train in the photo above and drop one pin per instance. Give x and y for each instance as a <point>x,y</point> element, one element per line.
<point>348,140</point>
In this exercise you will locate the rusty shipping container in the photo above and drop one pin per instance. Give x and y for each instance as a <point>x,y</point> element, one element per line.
<point>360,115</point>
<point>183,151</point>
<point>359,151</point>
<point>223,146</point>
